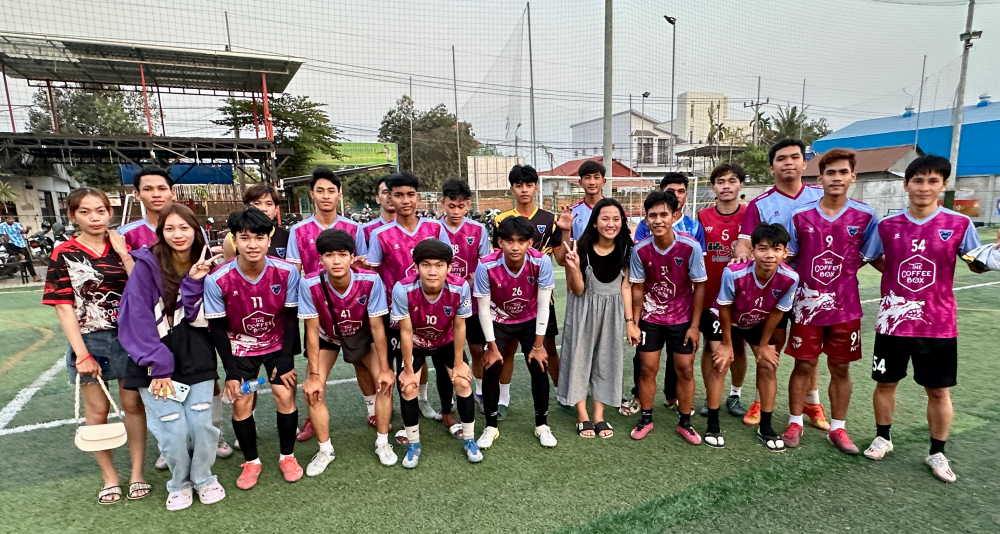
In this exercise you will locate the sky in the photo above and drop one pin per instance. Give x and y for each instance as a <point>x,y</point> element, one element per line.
<point>859,59</point>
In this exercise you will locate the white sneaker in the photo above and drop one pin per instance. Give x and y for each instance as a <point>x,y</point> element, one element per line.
<point>179,500</point>
<point>319,462</point>
<point>879,448</point>
<point>385,454</point>
<point>428,411</point>
<point>161,463</point>
<point>486,439</point>
<point>940,467</point>
<point>544,435</point>
<point>223,450</point>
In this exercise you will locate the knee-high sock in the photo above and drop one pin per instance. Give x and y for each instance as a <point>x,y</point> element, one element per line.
<point>287,422</point>
<point>491,392</point>
<point>410,410</point>
<point>539,392</point>
<point>246,433</point>
<point>444,386</point>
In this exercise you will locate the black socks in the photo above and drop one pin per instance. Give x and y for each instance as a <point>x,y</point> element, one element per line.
<point>287,423</point>
<point>713,421</point>
<point>246,434</point>
<point>882,431</point>
<point>937,445</point>
<point>765,424</point>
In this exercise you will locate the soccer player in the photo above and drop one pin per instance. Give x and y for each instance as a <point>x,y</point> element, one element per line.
<point>828,235</point>
<point>722,227</point>
<point>155,189</point>
<point>667,271</point>
<point>390,254</point>
<point>546,238</point>
<point>387,213</point>
<point>573,220</point>
<point>431,307</point>
<point>753,298</point>
<point>470,242</point>
<point>343,311</point>
<point>513,286</point>
<point>325,191</point>
<point>915,249</point>
<point>266,199</point>
<point>249,303</point>
<point>678,183</point>
<point>787,163</point>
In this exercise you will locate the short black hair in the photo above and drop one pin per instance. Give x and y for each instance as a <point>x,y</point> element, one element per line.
<point>257,191</point>
<point>723,169</point>
<point>773,234</point>
<point>151,170</point>
<point>432,249</point>
<point>381,181</point>
<point>250,220</point>
<point>590,167</point>
<point>522,174</point>
<point>785,143</point>
<point>515,226</point>
<point>926,165</point>
<point>322,173</point>
<point>661,197</point>
<point>401,179</point>
<point>456,189</point>
<point>333,240</point>
<point>673,178</point>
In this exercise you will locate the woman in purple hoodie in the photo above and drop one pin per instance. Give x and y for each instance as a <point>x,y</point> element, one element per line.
<point>164,330</point>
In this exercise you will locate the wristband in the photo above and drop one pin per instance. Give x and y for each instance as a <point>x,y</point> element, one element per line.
<point>89,356</point>
<point>537,348</point>
<point>629,319</point>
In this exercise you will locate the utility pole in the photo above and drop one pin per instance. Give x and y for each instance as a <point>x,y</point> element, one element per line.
<point>920,102</point>
<point>458,125</point>
<point>531,93</point>
<point>756,110</point>
<point>412,105</point>
<point>673,69</point>
<point>802,109</point>
<point>956,114</point>
<point>608,157</point>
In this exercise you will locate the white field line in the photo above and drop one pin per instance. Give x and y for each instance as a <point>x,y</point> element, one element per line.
<point>8,412</point>
<point>973,286</point>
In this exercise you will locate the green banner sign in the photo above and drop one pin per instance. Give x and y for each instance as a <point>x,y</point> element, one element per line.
<point>360,155</point>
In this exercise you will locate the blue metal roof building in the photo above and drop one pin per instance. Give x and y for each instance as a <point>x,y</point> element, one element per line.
<point>979,148</point>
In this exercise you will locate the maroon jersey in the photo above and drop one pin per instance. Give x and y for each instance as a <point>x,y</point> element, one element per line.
<point>390,250</point>
<point>514,296</point>
<point>344,314</point>
<point>433,322</point>
<point>722,232</point>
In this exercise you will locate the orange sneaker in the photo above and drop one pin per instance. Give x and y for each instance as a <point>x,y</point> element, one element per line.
<point>752,418</point>
<point>290,468</point>
<point>248,478</point>
<point>817,416</point>
<point>307,431</point>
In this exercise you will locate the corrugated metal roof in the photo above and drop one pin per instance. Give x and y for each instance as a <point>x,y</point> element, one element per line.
<point>38,57</point>
<point>570,167</point>
<point>868,160</point>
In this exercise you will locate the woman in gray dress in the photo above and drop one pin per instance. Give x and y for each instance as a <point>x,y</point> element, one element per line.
<point>598,310</point>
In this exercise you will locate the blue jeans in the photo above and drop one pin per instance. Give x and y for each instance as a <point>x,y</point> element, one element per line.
<point>185,434</point>
<point>107,352</point>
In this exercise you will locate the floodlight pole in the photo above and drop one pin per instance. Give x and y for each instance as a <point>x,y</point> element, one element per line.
<point>458,125</point>
<point>145,100</point>
<point>608,116</point>
<point>268,123</point>
<point>6,91</point>
<point>956,115</point>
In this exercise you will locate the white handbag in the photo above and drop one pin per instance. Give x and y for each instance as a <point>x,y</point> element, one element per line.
<point>92,438</point>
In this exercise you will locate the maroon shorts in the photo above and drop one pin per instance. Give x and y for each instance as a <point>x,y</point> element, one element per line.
<point>840,342</point>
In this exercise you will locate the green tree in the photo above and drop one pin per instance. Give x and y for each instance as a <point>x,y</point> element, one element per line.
<point>92,113</point>
<point>299,124</point>
<point>753,159</point>
<point>790,122</point>
<point>435,154</point>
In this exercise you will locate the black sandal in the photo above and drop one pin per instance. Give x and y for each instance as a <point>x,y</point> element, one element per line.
<point>772,443</point>
<point>583,427</point>
<point>604,426</point>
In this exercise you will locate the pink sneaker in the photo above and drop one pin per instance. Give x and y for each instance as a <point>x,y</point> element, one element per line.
<point>371,420</point>
<point>689,434</point>
<point>842,441</point>
<point>307,431</point>
<point>792,435</point>
<point>641,429</point>
<point>248,478</point>
<point>290,468</point>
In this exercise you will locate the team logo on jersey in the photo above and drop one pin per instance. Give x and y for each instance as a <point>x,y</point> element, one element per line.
<point>276,289</point>
<point>531,280</point>
<point>776,293</point>
<point>470,239</point>
<point>541,229</point>
<point>363,300</point>
<point>708,229</point>
<point>448,310</point>
<point>917,273</point>
<point>311,240</point>
<point>852,230</point>
<point>678,261</point>
<point>945,234</point>
<point>281,252</point>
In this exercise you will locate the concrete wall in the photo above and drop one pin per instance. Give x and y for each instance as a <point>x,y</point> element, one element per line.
<point>29,207</point>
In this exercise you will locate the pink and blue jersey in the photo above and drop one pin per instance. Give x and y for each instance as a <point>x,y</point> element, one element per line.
<point>753,301</point>
<point>302,242</point>
<point>668,276</point>
<point>390,250</point>
<point>920,256</point>
<point>773,206</point>
<point>513,296</point>
<point>685,224</point>
<point>582,211</point>
<point>140,234</point>
<point>255,309</point>
<point>350,310</point>
<point>371,226</point>
<point>470,243</point>
<point>433,322</point>
<point>829,251</point>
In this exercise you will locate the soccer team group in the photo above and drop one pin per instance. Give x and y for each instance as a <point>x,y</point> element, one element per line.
<point>150,307</point>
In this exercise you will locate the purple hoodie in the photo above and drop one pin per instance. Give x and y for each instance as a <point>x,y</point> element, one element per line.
<point>141,323</point>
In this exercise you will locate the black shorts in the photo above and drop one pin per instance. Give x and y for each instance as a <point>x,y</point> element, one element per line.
<point>552,330</point>
<point>935,360</point>
<point>710,326</point>
<point>248,367</point>
<point>783,324</point>
<point>444,355</point>
<point>356,349</point>
<point>474,331</point>
<point>653,337</point>
<point>394,350</point>
<point>751,335</point>
<point>523,333</point>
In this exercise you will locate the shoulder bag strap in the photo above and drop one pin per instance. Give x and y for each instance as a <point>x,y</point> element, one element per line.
<point>104,387</point>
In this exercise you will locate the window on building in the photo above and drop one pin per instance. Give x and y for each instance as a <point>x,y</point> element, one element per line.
<point>692,111</point>
<point>48,207</point>
<point>662,152</point>
<point>646,150</point>
<point>61,198</point>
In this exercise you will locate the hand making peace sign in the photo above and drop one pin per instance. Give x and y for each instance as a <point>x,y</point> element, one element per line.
<point>201,269</point>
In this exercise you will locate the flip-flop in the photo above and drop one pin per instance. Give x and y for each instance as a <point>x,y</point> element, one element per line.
<point>401,438</point>
<point>112,493</point>
<point>136,487</point>
<point>583,427</point>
